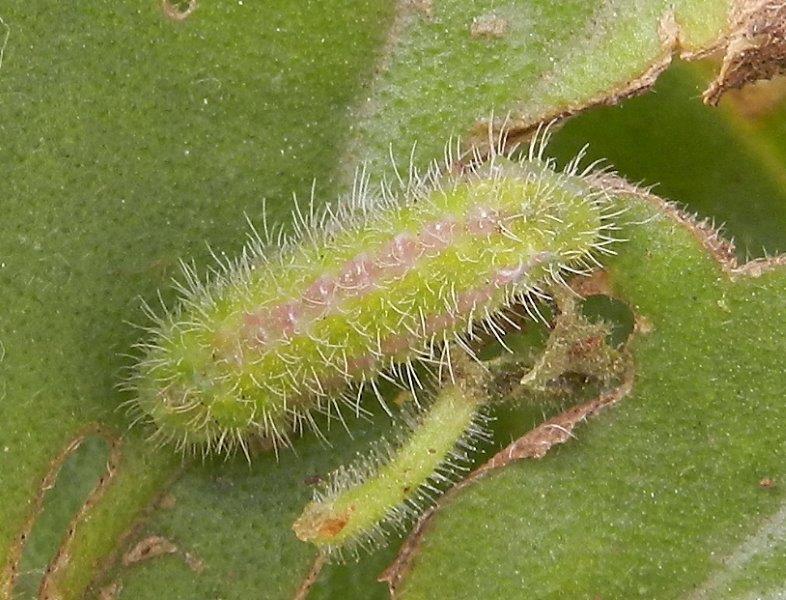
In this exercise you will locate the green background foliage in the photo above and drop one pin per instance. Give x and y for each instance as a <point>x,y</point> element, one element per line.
<point>129,140</point>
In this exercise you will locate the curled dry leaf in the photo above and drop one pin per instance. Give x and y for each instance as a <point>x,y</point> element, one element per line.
<point>756,47</point>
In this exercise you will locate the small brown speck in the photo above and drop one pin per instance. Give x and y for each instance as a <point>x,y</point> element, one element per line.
<point>150,547</point>
<point>111,591</point>
<point>643,325</point>
<point>196,564</point>
<point>488,26</point>
<point>767,483</point>
<point>585,347</point>
<point>332,527</point>
<point>168,501</point>
<point>313,480</point>
<point>593,285</point>
<point>179,11</point>
<point>424,7</point>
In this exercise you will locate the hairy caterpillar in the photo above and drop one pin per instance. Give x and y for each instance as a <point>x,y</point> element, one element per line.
<point>361,503</point>
<point>360,291</point>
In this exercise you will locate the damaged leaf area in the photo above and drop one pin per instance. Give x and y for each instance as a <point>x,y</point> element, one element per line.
<point>131,138</point>
<point>662,494</point>
<point>576,347</point>
<point>756,46</point>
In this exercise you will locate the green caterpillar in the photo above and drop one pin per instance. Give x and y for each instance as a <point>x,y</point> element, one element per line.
<point>362,503</point>
<point>361,291</point>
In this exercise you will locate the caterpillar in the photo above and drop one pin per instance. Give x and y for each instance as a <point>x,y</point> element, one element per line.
<point>361,291</point>
<point>362,503</point>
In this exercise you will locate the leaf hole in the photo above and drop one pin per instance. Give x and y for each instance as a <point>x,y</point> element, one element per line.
<point>612,311</point>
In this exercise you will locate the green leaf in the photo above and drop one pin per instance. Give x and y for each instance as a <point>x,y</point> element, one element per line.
<point>132,135</point>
